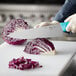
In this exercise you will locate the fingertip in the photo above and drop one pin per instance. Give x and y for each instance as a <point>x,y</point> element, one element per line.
<point>68,29</point>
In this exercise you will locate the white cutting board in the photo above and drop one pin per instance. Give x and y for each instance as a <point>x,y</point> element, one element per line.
<point>52,65</point>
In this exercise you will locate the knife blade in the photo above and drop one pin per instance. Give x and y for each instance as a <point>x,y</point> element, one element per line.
<point>42,32</point>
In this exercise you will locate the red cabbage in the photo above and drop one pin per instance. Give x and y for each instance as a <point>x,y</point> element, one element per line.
<point>39,46</point>
<point>10,27</point>
<point>23,64</point>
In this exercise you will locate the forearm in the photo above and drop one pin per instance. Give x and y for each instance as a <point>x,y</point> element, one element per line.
<point>67,9</point>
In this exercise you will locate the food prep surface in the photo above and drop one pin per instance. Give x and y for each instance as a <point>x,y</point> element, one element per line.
<point>52,65</point>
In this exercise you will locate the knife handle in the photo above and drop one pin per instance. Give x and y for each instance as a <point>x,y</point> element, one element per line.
<point>63,26</point>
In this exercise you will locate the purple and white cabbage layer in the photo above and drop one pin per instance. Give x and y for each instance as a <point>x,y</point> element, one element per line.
<point>40,46</point>
<point>10,27</point>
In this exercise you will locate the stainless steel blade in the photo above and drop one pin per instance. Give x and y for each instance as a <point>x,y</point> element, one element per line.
<point>42,32</point>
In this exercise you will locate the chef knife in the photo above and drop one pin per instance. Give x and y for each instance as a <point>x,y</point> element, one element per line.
<point>42,32</point>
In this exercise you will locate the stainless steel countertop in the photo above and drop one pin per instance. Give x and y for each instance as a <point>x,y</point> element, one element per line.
<point>71,71</point>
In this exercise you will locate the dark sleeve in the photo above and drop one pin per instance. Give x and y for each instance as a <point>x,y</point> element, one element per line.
<point>67,9</point>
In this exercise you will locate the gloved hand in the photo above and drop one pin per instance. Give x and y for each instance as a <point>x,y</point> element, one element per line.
<point>46,24</point>
<point>72,23</point>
